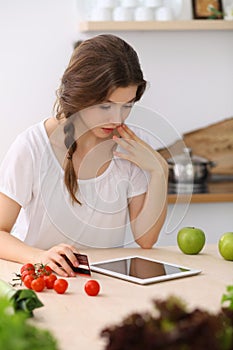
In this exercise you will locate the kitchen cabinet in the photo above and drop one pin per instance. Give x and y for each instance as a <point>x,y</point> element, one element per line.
<point>91,26</point>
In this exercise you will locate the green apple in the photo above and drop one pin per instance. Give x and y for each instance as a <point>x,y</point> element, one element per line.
<point>225,246</point>
<point>191,240</point>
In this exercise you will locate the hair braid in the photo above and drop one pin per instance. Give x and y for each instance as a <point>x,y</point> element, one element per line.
<point>70,175</point>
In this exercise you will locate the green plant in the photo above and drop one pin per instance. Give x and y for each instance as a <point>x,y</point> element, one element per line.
<point>21,299</point>
<point>215,13</point>
<point>16,333</point>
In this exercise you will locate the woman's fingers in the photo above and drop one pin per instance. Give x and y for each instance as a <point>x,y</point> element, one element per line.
<point>57,261</point>
<point>123,142</point>
<point>138,151</point>
<point>72,258</point>
<point>126,132</point>
<point>59,270</point>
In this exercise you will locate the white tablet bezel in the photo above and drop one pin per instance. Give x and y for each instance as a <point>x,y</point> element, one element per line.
<point>191,271</point>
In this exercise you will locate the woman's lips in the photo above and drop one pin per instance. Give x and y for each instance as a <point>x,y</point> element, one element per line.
<point>108,130</point>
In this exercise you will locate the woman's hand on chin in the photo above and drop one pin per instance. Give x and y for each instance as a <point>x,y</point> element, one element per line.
<point>139,152</point>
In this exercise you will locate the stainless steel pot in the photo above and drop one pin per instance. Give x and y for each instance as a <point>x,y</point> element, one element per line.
<point>187,168</point>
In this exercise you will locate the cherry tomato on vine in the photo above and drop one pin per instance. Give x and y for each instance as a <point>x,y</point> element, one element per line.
<point>28,281</point>
<point>92,287</point>
<point>49,280</point>
<point>26,273</point>
<point>60,285</point>
<point>38,284</point>
<point>48,269</point>
<point>27,267</point>
<point>44,270</point>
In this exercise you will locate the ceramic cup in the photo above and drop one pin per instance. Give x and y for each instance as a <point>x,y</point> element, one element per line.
<point>163,13</point>
<point>143,14</point>
<point>123,14</point>
<point>106,3</point>
<point>153,3</point>
<point>129,3</point>
<point>102,14</point>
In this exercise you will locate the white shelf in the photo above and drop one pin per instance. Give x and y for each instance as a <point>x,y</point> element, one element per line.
<point>91,26</point>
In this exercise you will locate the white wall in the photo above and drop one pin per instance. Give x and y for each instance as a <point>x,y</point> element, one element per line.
<point>36,42</point>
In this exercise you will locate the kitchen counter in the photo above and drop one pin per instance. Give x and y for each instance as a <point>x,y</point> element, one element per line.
<point>214,191</point>
<point>76,319</point>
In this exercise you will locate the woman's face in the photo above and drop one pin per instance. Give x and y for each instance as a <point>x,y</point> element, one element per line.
<point>104,118</point>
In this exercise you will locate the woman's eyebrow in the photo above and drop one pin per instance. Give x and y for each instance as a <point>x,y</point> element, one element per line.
<point>132,100</point>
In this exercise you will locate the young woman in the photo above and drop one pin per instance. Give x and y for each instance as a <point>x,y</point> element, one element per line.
<point>75,180</point>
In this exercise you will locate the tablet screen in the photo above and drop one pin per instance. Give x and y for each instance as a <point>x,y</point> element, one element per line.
<point>141,270</point>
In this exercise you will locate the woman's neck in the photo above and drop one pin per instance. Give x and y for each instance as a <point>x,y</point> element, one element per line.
<point>92,156</point>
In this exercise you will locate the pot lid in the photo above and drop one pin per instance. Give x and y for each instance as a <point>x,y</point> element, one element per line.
<point>187,157</point>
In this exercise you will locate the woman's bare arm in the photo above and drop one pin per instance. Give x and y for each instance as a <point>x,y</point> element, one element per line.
<point>13,249</point>
<point>147,211</point>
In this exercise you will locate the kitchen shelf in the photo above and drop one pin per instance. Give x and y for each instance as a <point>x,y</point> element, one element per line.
<point>215,192</point>
<point>201,198</point>
<point>90,26</point>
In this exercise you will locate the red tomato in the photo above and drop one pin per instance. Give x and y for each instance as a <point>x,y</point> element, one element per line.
<point>38,284</point>
<point>92,287</point>
<point>48,269</point>
<point>60,285</point>
<point>44,270</point>
<point>27,267</point>
<point>49,280</point>
<point>26,273</point>
<point>28,281</point>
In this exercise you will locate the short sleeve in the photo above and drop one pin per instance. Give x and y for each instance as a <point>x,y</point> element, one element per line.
<point>138,181</point>
<point>16,172</point>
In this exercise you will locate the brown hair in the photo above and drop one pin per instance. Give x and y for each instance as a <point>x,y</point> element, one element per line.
<point>97,67</point>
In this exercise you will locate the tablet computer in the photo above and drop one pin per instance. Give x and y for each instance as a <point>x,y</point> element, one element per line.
<point>142,270</point>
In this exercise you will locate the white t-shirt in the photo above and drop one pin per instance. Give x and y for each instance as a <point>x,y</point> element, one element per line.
<point>31,175</point>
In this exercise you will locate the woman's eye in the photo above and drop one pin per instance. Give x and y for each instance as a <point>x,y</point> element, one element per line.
<point>107,106</point>
<point>128,105</point>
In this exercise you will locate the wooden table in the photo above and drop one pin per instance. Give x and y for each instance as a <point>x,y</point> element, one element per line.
<point>76,319</point>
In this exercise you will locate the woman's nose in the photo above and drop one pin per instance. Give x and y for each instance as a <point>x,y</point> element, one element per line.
<point>119,115</point>
<point>116,116</point>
